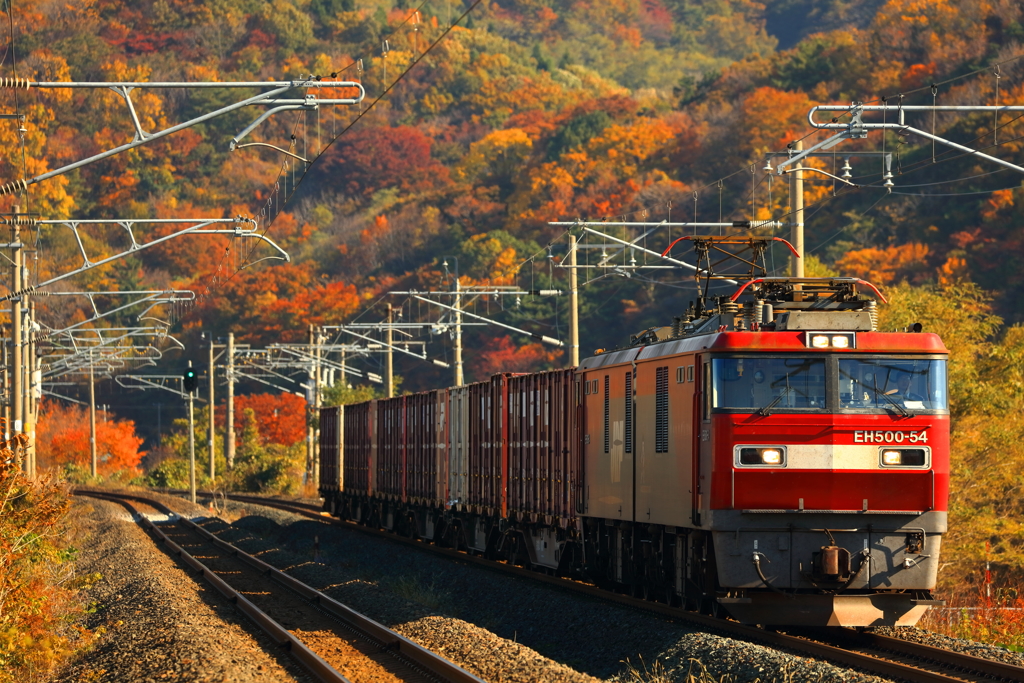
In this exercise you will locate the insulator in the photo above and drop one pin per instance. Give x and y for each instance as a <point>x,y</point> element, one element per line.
<point>8,82</point>
<point>751,313</point>
<point>846,169</point>
<point>757,312</point>
<point>677,326</point>
<point>767,314</point>
<point>872,307</point>
<point>729,307</point>
<point>13,187</point>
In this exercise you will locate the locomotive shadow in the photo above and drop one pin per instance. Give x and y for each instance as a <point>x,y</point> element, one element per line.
<point>371,575</point>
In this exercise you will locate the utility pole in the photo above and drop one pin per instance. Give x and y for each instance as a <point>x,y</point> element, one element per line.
<point>31,405</point>
<point>229,420</point>
<point>17,373</point>
<point>458,333</point>
<point>92,416</point>
<point>7,390</point>
<point>389,368</point>
<point>309,406</point>
<point>191,446</point>
<point>574,306</point>
<point>213,472</point>
<point>796,198</point>
<point>318,369</point>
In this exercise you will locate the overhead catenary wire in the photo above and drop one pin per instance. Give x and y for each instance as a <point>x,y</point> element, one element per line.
<point>719,181</point>
<point>265,212</point>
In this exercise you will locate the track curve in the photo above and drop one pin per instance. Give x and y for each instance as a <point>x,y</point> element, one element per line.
<point>255,589</point>
<point>880,655</point>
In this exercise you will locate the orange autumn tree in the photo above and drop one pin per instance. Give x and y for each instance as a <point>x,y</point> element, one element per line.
<point>500,354</point>
<point>905,262</point>
<point>280,418</point>
<point>62,438</point>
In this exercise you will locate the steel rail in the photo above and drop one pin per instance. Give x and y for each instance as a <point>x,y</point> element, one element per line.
<point>277,633</point>
<point>389,640</point>
<point>960,663</point>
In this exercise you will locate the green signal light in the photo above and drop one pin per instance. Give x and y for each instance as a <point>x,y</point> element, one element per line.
<point>189,380</point>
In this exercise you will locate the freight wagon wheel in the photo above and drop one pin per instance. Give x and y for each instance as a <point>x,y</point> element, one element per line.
<point>713,608</point>
<point>408,529</point>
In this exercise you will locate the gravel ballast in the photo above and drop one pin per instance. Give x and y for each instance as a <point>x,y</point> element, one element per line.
<point>504,628</point>
<point>514,625</point>
<point>161,625</point>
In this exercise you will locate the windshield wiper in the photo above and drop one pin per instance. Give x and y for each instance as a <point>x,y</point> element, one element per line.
<point>903,411</point>
<point>766,410</point>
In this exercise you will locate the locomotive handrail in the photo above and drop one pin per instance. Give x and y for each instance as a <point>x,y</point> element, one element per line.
<point>810,280</point>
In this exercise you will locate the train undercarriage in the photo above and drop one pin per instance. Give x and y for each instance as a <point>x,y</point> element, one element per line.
<point>677,566</point>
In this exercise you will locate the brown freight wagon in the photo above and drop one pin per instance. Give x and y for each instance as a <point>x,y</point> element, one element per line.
<point>542,423</point>
<point>331,481</point>
<point>488,447</point>
<point>426,469</point>
<point>389,484</point>
<point>359,450</point>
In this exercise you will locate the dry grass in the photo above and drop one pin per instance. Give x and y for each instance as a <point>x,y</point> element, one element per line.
<point>996,619</point>
<point>696,673</point>
<point>40,593</point>
<point>429,595</point>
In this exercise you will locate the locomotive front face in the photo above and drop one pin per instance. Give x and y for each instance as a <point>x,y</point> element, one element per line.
<point>826,469</point>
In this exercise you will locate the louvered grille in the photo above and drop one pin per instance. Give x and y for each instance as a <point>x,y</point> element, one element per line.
<point>607,393</point>
<point>629,412</point>
<point>661,410</point>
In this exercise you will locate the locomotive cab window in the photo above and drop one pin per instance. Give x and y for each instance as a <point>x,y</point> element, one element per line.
<point>764,384</point>
<point>892,384</point>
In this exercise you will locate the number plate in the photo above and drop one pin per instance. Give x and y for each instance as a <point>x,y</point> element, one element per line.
<point>889,436</point>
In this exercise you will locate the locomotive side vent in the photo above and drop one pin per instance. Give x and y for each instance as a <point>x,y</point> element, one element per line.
<point>661,410</point>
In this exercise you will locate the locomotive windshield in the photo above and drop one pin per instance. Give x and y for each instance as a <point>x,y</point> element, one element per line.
<point>883,382</point>
<point>823,383</point>
<point>763,384</point>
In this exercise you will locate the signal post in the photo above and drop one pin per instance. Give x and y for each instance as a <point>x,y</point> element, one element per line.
<point>189,385</point>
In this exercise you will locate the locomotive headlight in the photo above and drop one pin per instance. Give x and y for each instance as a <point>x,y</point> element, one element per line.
<point>892,457</point>
<point>904,457</point>
<point>830,340</point>
<point>760,456</point>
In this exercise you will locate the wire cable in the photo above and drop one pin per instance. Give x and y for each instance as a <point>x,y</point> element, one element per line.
<point>348,127</point>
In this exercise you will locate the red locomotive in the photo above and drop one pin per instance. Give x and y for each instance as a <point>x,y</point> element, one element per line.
<point>773,457</point>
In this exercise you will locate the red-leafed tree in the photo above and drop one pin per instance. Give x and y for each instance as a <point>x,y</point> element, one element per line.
<point>369,159</point>
<point>280,418</point>
<point>62,438</point>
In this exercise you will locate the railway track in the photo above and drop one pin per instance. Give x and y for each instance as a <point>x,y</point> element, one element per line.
<point>880,655</point>
<point>333,642</point>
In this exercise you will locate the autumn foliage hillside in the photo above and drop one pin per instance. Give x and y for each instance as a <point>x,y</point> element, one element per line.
<point>526,112</point>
